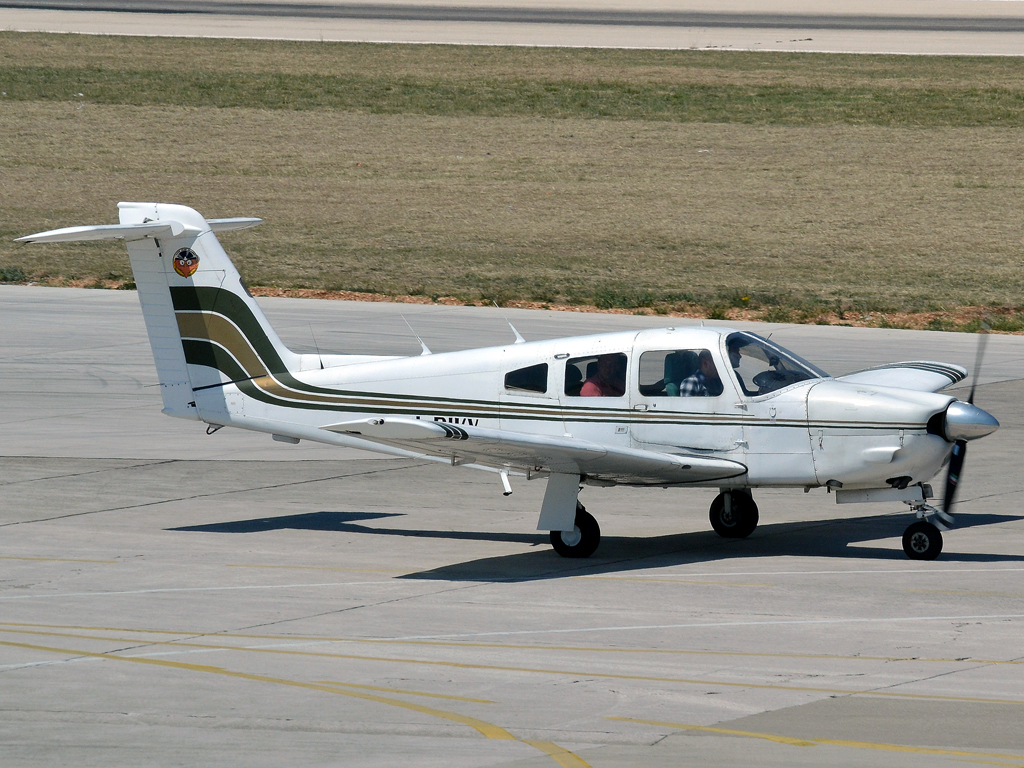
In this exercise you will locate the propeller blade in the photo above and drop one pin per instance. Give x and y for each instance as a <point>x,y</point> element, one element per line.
<point>956,460</point>
<point>978,357</point>
<point>956,466</point>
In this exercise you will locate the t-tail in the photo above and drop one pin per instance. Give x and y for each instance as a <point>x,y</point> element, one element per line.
<point>204,326</point>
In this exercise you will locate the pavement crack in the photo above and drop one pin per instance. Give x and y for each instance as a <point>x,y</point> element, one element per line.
<point>390,601</point>
<point>90,472</point>
<point>213,494</point>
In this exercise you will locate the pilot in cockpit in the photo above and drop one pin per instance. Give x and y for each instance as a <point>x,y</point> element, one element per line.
<point>734,344</point>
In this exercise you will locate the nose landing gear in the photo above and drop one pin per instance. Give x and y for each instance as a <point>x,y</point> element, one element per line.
<point>923,540</point>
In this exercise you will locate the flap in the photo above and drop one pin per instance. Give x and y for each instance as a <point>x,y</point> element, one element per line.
<point>538,453</point>
<point>919,375</point>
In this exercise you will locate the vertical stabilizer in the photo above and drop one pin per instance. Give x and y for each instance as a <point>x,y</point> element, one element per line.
<point>205,329</point>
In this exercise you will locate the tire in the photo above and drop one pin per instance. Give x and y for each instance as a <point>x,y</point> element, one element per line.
<point>922,541</point>
<point>582,540</point>
<point>742,519</point>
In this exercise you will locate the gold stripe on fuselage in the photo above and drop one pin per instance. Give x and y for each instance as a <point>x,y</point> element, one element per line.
<point>218,329</point>
<point>207,326</point>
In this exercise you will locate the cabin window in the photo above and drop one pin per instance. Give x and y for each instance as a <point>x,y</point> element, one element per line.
<point>596,376</point>
<point>679,373</point>
<point>531,379</point>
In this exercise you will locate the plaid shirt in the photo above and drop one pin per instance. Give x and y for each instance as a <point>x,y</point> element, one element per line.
<point>697,385</point>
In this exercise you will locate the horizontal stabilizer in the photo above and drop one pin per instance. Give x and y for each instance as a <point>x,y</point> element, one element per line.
<point>227,225</point>
<point>130,232</point>
<point>126,232</point>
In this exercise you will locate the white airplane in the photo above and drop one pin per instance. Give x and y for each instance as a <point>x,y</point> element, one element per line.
<point>693,406</point>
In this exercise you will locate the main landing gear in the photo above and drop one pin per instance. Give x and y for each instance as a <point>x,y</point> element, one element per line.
<point>582,540</point>
<point>733,514</point>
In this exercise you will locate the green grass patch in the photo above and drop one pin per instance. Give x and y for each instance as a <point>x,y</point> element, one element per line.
<point>767,104</point>
<point>795,186</point>
<point>686,86</point>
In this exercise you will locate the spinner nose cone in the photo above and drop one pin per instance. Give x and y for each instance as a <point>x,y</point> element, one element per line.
<point>965,421</point>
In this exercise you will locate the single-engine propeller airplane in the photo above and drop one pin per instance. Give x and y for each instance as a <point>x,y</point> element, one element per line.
<point>672,407</point>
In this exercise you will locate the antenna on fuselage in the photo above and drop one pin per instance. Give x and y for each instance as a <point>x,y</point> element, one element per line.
<point>318,355</point>
<point>426,349</point>
<point>519,338</point>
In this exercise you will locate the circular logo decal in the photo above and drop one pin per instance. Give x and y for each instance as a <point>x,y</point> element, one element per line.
<point>186,262</point>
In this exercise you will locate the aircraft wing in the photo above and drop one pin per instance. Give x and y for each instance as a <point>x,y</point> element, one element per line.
<point>919,375</point>
<point>500,449</point>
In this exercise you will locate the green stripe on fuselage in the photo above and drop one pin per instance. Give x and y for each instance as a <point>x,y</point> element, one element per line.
<point>212,356</point>
<point>234,308</point>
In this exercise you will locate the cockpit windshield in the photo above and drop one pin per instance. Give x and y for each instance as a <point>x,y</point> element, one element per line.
<point>761,367</point>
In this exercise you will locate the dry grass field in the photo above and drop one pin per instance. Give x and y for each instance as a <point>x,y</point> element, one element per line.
<point>795,186</point>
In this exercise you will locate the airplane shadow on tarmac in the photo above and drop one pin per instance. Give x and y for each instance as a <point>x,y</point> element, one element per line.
<point>827,538</point>
<point>346,522</point>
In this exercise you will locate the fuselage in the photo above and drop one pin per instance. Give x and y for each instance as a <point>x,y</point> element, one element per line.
<point>812,432</point>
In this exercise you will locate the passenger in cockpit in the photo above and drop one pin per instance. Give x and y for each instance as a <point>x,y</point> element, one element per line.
<point>610,379</point>
<point>705,381</point>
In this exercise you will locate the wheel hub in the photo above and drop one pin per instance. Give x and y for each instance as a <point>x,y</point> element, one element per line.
<point>919,542</point>
<point>572,538</point>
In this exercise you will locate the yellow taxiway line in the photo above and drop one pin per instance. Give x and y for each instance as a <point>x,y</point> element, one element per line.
<point>58,560</point>
<point>407,693</point>
<point>526,670</point>
<point>726,731</point>
<point>561,756</point>
<point>512,646</point>
<point>810,742</point>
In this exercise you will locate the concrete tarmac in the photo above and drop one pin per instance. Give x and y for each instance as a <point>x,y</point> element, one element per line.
<point>169,598</point>
<point>955,27</point>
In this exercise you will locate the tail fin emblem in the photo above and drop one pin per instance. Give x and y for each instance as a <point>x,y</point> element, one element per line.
<point>186,262</point>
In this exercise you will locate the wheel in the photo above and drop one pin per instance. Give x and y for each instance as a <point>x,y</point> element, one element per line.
<point>582,540</point>
<point>741,519</point>
<point>922,541</point>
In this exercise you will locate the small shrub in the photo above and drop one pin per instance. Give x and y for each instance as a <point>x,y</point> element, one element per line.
<point>611,298</point>
<point>777,314</point>
<point>1008,323</point>
<point>12,275</point>
<point>499,297</point>
<point>940,324</point>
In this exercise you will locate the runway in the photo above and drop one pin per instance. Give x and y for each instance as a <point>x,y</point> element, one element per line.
<point>170,597</point>
<point>960,27</point>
